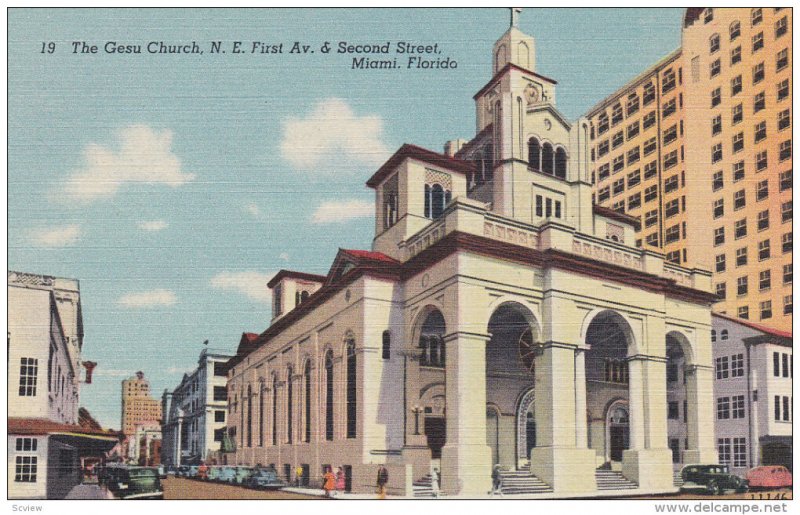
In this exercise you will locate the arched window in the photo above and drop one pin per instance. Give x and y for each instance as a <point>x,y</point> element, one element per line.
<point>477,179</point>
<point>249,415</point>
<point>713,335</point>
<point>488,163</point>
<point>241,416</point>
<point>307,406</point>
<point>547,158</point>
<point>535,154</point>
<point>329,395</point>
<point>386,350</point>
<point>561,163</point>
<point>428,201</point>
<point>431,340</point>
<point>437,201</point>
<point>274,410</point>
<point>735,30</point>
<point>304,296</point>
<point>289,404</point>
<point>352,388</point>
<point>723,335</point>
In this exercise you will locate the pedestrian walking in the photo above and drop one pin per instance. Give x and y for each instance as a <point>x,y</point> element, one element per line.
<point>383,478</point>
<point>435,482</point>
<point>298,476</point>
<point>328,482</point>
<point>497,481</point>
<point>340,481</point>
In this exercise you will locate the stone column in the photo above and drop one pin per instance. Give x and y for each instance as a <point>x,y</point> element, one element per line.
<point>466,459</point>
<point>557,459</point>
<point>415,448</point>
<point>581,430</point>
<point>700,415</point>
<point>648,461</point>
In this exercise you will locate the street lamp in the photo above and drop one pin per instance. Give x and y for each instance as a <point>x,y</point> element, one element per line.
<point>416,410</point>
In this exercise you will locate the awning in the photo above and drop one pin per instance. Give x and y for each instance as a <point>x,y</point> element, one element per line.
<point>86,444</point>
<point>88,441</point>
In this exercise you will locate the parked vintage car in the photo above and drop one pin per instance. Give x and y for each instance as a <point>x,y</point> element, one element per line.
<point>769,476</point>
<point>182,471</point>
<point>162,472</point>
<point>135,483</point>
<point>242,473</point>
<point>226,474</point>
<point>266,479</point>
<point>712,479</point>
<point>213,472</point>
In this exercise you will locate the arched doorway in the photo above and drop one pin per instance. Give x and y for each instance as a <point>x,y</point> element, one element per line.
<point>526,427</point>
<point>677,402</point>
<point>618,430</point>
<point>608,340</point>
<point>510,372</point>
<point>430,349</point>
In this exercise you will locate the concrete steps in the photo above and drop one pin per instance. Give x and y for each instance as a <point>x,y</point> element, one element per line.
<point>613,480</point>
<point>515,482</point>
<point>677,480</point>
<point>422,488</point>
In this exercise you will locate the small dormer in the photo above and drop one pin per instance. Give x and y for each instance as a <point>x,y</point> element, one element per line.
<point>290,289</point>
<point>412,189</point>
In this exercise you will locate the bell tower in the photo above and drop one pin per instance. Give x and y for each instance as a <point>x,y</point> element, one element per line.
<point>514,47</point>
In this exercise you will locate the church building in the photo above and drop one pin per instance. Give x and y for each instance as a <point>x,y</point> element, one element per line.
<point>499,318</point>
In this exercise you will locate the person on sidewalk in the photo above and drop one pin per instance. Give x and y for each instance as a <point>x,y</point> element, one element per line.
<point>383,478</point>
<point>328,482</point>
<point>497,481</point>
<point>298,476</point>
<point>340,481</point>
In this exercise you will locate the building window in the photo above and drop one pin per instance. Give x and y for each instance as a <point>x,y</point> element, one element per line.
<point>763,220</point>
<point>763,250</point>
<point>648,93</point>
<point>786,150</point>
<point>673,257</point>
<point>387,344</point>
<point>758,73</point>
<point>652,239</point>
<point>741,256</point>
<point>723,408</point>
<point>786,211</point>
<point>307,401</point>
<point>618,186</point>
<point>758,42</point>
<point>721,367</point>
<point>738,171</point>
<point>650,193</point>
<point>783,89</point>
<point>724,450</point>
<point>760,131</point>
<point>219,416</point>
<point>786,242</point>
<point>784,120</point>
<point>762,190</point>
<point>759,102</point>
<point>781,60</point>
<point>715,68</point>
<point>766,309</point>
<point>736,55</point>
<point>720,290</point>
<point>667,81</point>
<point>352,388</point>
<point>787,305</point>
<point>28,375</point>
<point>535,153</point>
<point>719,236</point>
<point>738,142</point>
<point>735,30</point>
<point>672,410</point>
<point>739,452</point>
<point>737,114</point>
<point>781,26</point>
<point>617,139</point>
<point>719,208</point>
<point>756,17</point>
<point>787,274</point>
<point>633,155</point>
<point>761,161</point>
<point>651,218</point>
<point>649,146</point>
<point>616,371</point>
<point>634,201</point>
<point>739,200</point>
<point>436,198</point>
<point>716,125</point>
<point>26,469</point>
<point>740,228</point>
<point>618,163</point>
<point>616,114</point>
<point>716,153</point>
<point>708,15</point>
<point>671,208</point>
<point>782,415</point>
<point>720,263</point>
<point>737,406</point>
<point>785,363</point>
<point>668,108</point>
<point>633,105</point>
<point>649,120</point>
<point>329,382</point>
<point>741,286</point>
<point>743,312</point>
<point>672,234</point>
<point>776,364</point>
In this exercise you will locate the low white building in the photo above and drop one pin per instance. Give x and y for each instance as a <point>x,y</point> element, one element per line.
<point>45,338</point>
<point>753,393</point>
<point>195,413</point>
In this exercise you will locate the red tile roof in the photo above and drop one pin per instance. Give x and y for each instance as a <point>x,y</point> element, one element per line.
<point>41,426</point>
<point>421,154</point>
<point>757,327</point>
<point>370,256</point>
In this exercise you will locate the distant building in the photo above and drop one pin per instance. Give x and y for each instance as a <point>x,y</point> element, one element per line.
<point>753,393</point>
<point>698,148</point>
<point>144,446</point>
<point>48,436</point>
<point>138,407</point>
<point>195,413</point>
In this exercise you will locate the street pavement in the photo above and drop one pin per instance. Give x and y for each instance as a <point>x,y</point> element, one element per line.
<point>89,491</point>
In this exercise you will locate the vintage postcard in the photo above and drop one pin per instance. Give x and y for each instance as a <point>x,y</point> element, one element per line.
<point>528,254</point>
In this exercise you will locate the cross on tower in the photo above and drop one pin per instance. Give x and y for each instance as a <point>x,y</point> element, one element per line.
<point>515,11</point>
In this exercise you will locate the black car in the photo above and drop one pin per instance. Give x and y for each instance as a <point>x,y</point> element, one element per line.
<point>134,483</point>
<point>712,479</point>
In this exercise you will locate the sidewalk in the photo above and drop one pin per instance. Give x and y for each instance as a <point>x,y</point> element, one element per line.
<point>89,491</point>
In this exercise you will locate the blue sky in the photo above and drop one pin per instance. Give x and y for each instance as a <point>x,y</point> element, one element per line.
<point>173,187</point>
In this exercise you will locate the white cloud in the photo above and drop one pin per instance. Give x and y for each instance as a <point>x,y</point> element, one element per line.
<point>249,283</point>
<point>148,299</point>
<point>177,370</point>
<point>252,209</point>
<point>143,155</point>
<point>152,225</point>
<point>341,211</point>
<point>333,138</point>
<point>284,256</point>
<point>57,236</point>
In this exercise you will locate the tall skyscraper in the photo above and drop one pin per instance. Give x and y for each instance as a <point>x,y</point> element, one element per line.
<point>138,407</point>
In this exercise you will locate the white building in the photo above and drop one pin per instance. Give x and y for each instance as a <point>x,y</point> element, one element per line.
<point>195,413</point>
<point>499,318</point>
<point>753,393</point>
<point>45,339</point>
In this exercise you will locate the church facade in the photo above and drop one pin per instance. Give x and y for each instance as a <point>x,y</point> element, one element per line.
<point>500,318</point>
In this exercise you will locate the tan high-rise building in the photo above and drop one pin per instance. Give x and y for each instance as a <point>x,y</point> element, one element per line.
<point>705,163</point>
<point>138,407</point>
